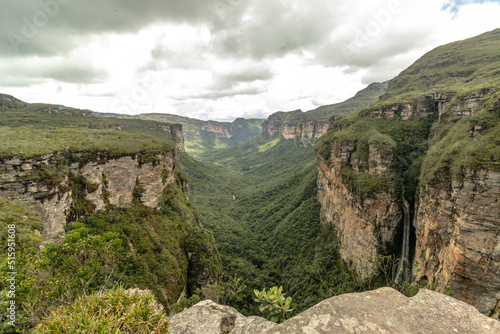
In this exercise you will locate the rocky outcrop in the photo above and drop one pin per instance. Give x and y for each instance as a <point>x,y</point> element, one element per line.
<point>304,130</point>
<point>381,311</point>
<point>294,125</point>
<point>61,184</point>
<point>448,103</point>
<point>366,225</point>
<point>209,317</point>
<point>458,237</point>
<point>7,101</point>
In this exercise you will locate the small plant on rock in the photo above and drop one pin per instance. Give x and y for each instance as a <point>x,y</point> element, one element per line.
<point>273,304</point>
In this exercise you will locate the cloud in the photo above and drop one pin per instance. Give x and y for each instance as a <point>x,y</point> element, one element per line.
<point>276,28</point>
<point>220,58</point>
<point>29,71</point>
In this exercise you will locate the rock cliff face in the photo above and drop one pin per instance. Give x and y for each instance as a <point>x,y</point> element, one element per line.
<point>303,130</point>
<point>427,312</point>
<point>58,184</point>
<point>457,223</point>
<point>458,237</point>
<point>366,226</point>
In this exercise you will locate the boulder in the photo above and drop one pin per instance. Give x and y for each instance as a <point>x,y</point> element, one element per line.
<point>381,311</point>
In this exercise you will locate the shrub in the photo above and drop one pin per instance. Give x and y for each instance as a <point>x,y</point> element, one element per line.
<point>112,311</point>
<point>273,304</point>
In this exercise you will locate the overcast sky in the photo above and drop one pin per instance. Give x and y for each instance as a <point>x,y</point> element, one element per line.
<point>219,59</point>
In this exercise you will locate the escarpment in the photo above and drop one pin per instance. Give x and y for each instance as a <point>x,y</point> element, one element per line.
<point>301,128</point>
<point>308,126</point>
<point>366,217</point>
<point>64,186</point>
<point>439,131</point>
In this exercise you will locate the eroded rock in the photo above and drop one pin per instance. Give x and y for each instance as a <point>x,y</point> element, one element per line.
<point>383,311</point>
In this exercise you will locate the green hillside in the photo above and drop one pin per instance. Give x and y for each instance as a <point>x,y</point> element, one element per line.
<point>461,67</point>
<point>33,129</point>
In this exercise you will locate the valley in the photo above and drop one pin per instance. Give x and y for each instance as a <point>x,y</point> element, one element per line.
<point>395,188</point>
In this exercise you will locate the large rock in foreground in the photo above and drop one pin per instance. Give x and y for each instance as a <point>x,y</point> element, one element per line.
<point>381,311</point>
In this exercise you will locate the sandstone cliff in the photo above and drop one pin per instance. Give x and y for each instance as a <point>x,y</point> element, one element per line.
<point>281,124</point>
<point>444,126</point>
<point>57,183</point>
<point>310,125</point>
<point>427,312</point>
<point>366,224</point>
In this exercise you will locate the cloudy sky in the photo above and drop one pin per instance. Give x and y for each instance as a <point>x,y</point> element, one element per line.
<point>219,59</point>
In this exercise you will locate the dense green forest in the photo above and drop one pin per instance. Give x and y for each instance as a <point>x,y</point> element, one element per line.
<point>259,200</point>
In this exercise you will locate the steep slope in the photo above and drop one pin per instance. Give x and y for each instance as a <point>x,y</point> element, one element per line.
<point>433,140</point>
<point>309,126</point>
<point>97,186</point>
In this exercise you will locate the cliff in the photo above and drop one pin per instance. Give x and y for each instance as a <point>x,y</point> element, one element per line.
<point>63,186</point>
<point>363,211</point>
<point>427,312</point>
<point>439,130</point>
<point>309,126</point>
<point>294,125</point>
<point>202,136</point>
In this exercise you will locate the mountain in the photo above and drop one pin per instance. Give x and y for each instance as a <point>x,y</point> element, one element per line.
<point>425,159</point>
<point>309,126</point>
<point>107,202</point>
<point>201,136</point>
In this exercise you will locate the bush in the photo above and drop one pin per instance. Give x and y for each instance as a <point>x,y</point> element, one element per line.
<point>112,311</point>
<point>273,304</point>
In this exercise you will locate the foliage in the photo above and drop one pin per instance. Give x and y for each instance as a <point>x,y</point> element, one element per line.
<point>111,311</point>
<point>269,233</point>
<point>222,293</point>
<point>273,304</point>
<point>137,246</point>
<point>455,149</point>
<point>36,129</point>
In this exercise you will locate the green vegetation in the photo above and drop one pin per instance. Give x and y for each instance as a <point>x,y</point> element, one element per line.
<point>269,233</point>
<point>202,136</point>
<point>136,247</point>
<point>112,311</point>
<point>463,67</point>
<point>273,304</point>
<point>405,143</point>
<point>28,130</point>
<point>459,145</point>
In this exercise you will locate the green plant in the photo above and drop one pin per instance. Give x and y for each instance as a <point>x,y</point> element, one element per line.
<point>273,304</point>
<point>112,311</point>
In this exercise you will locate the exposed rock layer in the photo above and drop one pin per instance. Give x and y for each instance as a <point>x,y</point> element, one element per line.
<point>43,181</point>
<point>458,237</point>
<point>365,226</point>
<point>380,311</point>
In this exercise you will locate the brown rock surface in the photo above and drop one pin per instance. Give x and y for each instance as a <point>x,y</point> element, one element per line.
<point>365,226</point>
<point>381,311</point>
<point>113,179</point>
<point>458,237</point>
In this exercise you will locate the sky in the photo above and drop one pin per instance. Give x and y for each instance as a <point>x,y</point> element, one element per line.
<point>219,59</point>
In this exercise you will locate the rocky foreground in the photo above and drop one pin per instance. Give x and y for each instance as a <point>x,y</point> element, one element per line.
<point>381,311</point>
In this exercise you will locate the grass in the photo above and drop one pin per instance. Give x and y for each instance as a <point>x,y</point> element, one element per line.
<point>463,68</point>
<point>112,311</point>
<point>35,129</point>
<point>29,141</point>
